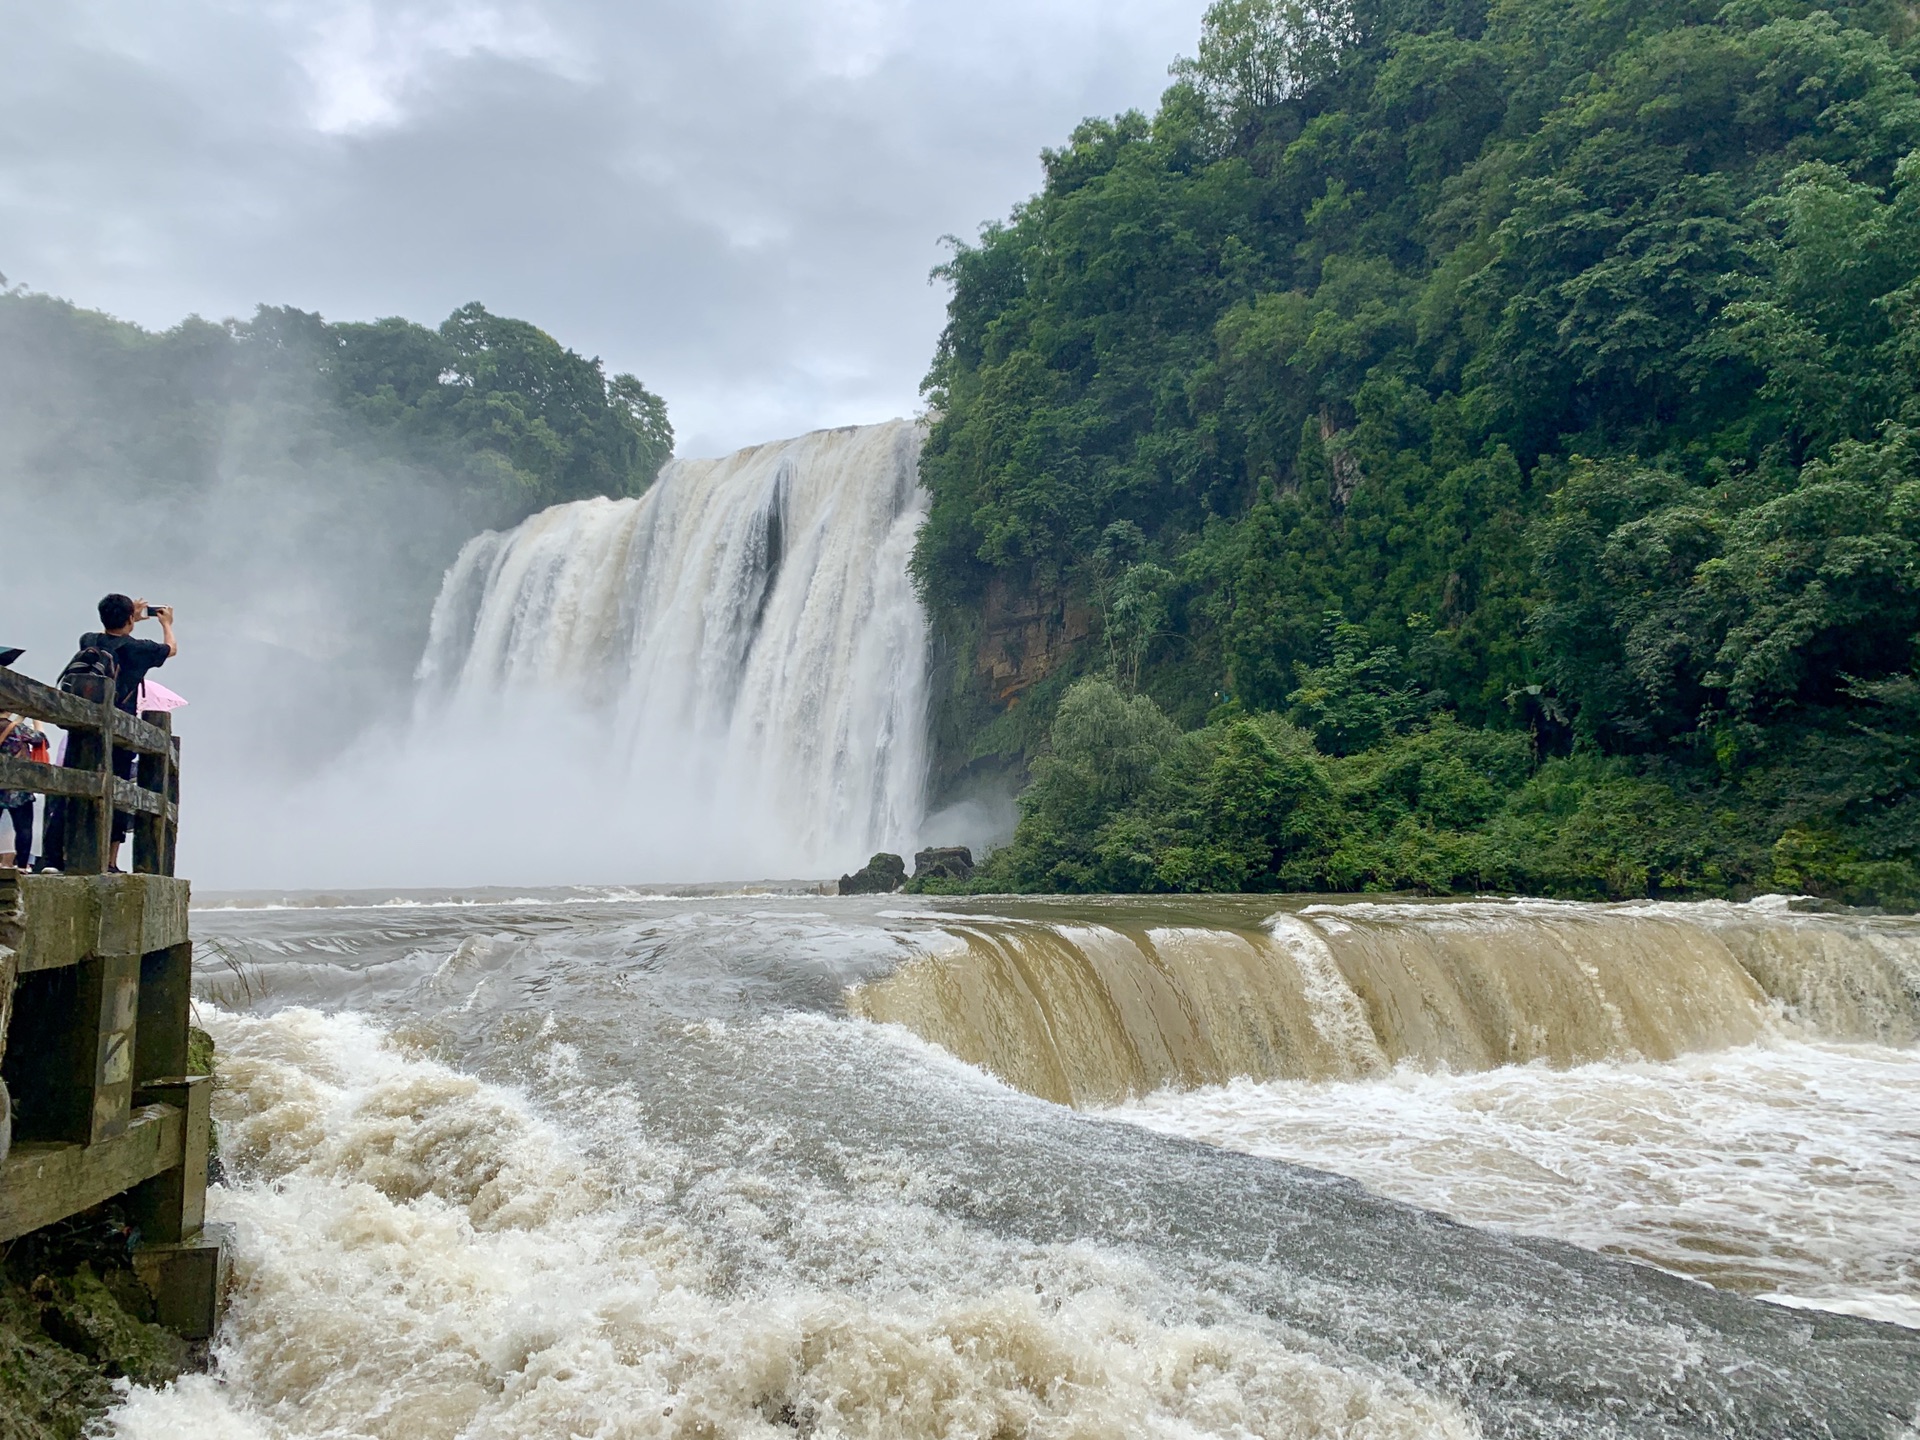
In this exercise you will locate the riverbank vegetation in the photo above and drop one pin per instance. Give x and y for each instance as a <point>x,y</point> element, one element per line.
<point>1485,438</point>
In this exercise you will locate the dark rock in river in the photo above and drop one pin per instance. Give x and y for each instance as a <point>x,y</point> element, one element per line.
<point>944,862</point>
<point>881,875</point>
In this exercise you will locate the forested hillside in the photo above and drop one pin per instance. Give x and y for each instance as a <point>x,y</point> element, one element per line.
<point>495,408</point>
<point>1483,435</point>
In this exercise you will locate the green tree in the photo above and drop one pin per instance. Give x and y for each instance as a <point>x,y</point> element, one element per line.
<point>1255,53</point>
<point>1358,697</point>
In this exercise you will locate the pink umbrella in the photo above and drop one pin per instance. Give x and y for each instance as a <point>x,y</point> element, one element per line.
<point>155,696</point>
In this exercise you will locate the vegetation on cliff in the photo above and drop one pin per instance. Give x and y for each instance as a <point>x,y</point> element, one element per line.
<point>1487,436</point>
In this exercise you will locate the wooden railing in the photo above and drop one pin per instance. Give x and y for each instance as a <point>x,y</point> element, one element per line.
<point>96,976</point>
<point>88,790</point>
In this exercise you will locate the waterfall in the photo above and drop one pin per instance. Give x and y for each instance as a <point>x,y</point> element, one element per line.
<point>740,649</point>
<point>1090,1014</point>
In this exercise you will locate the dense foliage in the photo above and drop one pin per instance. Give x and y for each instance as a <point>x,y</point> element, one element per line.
<point>1525,389</point>
<point>495,408</point>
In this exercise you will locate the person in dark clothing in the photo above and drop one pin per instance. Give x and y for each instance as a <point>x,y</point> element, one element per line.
<point>134,658</point>
<point>118,616</point>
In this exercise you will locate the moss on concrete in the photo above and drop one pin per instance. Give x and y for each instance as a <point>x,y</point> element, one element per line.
<point>199,1051</point>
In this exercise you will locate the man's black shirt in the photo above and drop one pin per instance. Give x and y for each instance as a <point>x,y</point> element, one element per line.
<point>136,657</point>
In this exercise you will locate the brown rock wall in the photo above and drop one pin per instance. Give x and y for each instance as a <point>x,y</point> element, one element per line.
<point>1025,636</point>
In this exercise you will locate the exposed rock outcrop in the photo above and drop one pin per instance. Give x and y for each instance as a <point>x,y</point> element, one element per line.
<point>943,862</point>
<point>74,1318</point>
<point>881,875</point>
<point>1025,637</point>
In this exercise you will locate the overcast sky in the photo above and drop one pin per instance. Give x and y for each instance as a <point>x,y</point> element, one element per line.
<point>738,200</point>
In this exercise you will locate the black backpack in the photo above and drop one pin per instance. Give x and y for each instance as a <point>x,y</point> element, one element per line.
<point>90,663</point>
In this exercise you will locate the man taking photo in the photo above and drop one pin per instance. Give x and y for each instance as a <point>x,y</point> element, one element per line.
<point>133,658</point>
<point>118,616</point>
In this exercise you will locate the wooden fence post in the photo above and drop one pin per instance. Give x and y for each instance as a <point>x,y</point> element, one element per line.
<point>89,819</point>
<point>173,801</point>
<point>151,850</point>
<point>75,1080</point>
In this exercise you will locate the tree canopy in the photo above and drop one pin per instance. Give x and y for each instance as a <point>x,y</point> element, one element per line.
<point>495,407</point>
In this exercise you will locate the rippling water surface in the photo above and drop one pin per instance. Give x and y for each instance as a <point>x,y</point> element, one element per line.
<point>607,1164</point>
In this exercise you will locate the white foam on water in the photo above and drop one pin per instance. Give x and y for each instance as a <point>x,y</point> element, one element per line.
<point>1333,1009</point>
<point>1789,1170</point>
<point>424,1256</point>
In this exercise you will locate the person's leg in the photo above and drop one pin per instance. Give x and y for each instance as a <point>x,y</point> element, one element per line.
<point>53,834</point>
<point>122,819</point>
<point>22,817</point>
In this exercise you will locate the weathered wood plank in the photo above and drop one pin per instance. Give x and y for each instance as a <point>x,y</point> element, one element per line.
<point>66,918</point>
<point>71,712</point>
<point>42,1183</point>
<point>130,732</point>
<point>129,796</point>
<point>47,779</point>
<point>43,702</point>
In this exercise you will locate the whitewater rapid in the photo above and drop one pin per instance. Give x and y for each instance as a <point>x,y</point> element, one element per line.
<point>608,1164</point>
<point>1788,1169</point>
<point>736,659</point>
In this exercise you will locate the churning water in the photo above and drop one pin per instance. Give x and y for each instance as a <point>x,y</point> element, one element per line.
<point>593,1163</point>
<point>742,643</point>
<point>610,1165</point>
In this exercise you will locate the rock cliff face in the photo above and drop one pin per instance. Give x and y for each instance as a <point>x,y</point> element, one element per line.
<point>1025,636</point>
<point>990,656</point>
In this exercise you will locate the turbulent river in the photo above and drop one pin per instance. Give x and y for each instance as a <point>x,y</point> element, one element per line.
<point>598,1163</point>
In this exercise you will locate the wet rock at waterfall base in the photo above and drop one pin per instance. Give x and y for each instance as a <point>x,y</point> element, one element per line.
<point>943,862</point>
<point>881,875</point>
<point>74,1318</point>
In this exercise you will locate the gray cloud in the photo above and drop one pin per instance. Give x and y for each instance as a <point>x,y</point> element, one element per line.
<point>737,200</point>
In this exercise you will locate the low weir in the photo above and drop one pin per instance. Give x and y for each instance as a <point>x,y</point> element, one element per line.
<point>1090,1013</point>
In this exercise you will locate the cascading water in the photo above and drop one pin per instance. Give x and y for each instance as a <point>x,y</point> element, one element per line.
<point>744,640</point>
<point>1727,1091</point>
<point>1090,1014</point>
